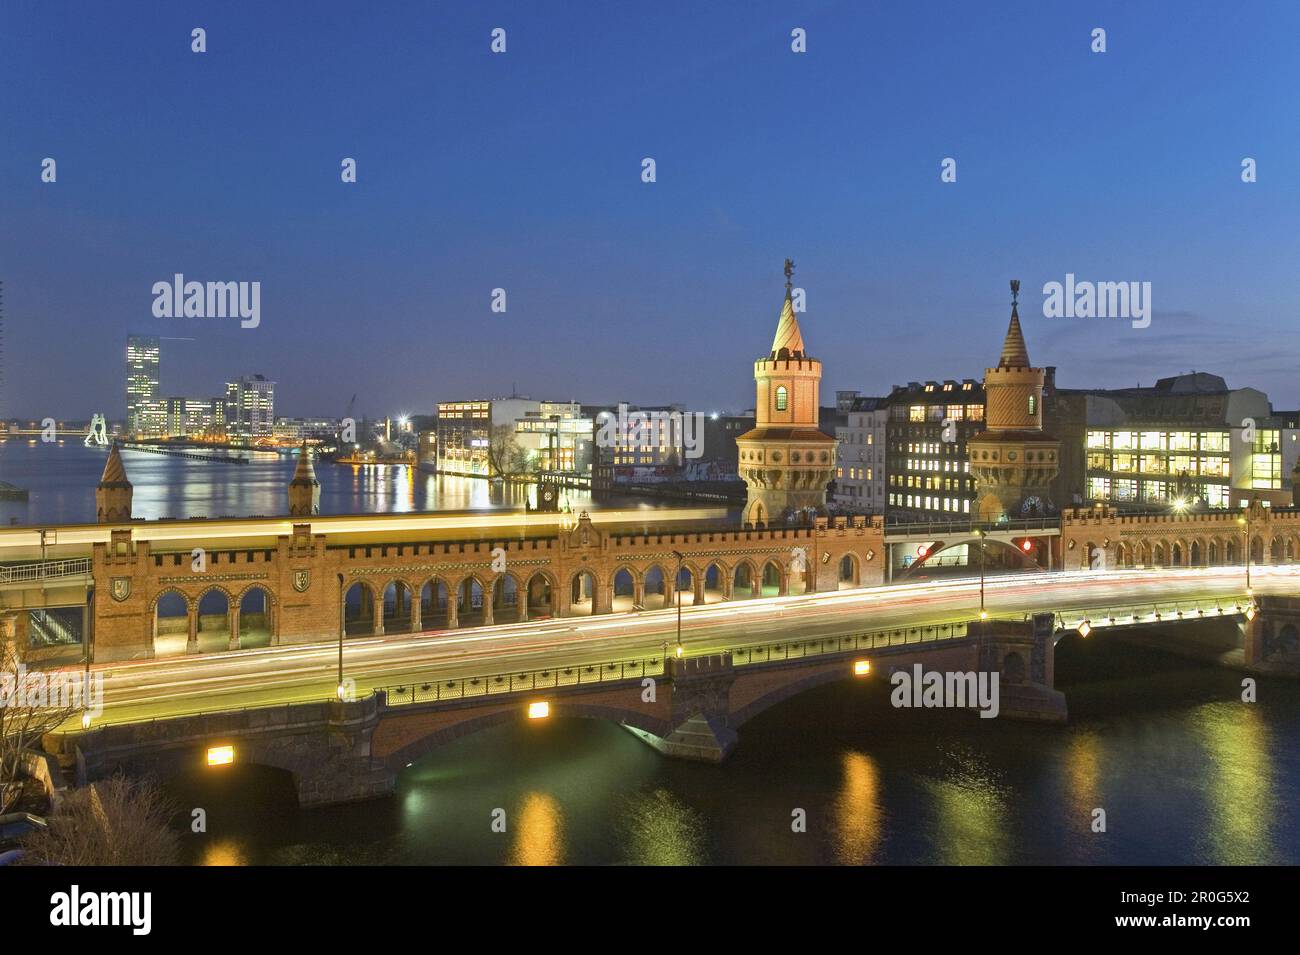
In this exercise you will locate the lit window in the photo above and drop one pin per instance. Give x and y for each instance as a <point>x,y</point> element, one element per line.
<point>781,398</point>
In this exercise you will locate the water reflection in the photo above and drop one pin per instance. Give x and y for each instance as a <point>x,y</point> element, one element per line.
<point>1238,791</point>
<point>662,830</point>
<point>539,832</point>
<point>857,811</point>
<point>971,818</point>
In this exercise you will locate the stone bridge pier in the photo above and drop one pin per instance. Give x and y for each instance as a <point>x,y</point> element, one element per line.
<point>1272,638</point>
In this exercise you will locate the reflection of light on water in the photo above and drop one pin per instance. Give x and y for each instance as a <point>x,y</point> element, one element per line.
<point>1083,774</point>
<point>1238,775</point>
<point>663,831</point>
<point>857,812</point>
<point>970,816</point>
<point>223,852</point>
<point>539,832</point>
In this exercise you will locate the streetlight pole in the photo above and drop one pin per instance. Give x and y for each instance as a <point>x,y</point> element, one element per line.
<point>1246,522</point>
<point>677,586</point>
<point>979,534</point>
<point>342,629</point>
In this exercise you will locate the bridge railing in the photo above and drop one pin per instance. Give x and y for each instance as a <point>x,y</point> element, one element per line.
<point>870,640</point>
<point>45,570</point>
<point>1154,612</point>
<point>436,691</point>
<point>948,528</point>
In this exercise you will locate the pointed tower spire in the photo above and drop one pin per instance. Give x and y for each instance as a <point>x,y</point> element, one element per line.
<point>789,338</point>
<point>1014,352</point>
<point>304,489</point>
<point>114,492</point>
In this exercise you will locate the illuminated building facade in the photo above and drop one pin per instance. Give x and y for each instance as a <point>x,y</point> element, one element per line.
<point>146,412</point>
<point>464,432</point>
<point>557,437</point>
<point>926,468</point>
<point>250,407</point>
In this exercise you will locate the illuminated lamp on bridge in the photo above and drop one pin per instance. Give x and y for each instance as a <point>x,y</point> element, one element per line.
<point>1085,628</point>
<point>221,755</point>
<point>539,710</point>
<point>861,667</point>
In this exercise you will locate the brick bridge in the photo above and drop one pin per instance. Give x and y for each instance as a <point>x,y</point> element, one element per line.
<point>692,708</point>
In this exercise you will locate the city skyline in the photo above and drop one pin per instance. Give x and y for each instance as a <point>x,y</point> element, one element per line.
<point>383,287</point>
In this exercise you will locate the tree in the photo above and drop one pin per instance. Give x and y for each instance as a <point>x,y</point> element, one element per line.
<point>115,822</point>
<point>31,705</point>
<point>505,456</point>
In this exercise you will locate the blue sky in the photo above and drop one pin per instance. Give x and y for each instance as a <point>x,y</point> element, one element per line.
<point>522,171</point>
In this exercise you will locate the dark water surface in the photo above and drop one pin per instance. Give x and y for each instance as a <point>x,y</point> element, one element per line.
<point>1186,773</point>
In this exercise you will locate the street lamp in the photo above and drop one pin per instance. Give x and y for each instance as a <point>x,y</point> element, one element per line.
<point>1245,522</point>
<point>979,534</point>
<point>677,585</point>
<point>342,629</point>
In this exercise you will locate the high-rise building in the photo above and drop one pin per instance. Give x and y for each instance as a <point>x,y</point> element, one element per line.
<point>786,460</point>
<point>145,413</point>
<point>250,407</point>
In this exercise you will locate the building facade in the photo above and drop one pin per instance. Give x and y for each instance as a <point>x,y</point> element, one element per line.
<point>465,432</point>
<point>860,458</point>
<point>927,474</point>
<point>146,412</point>
<point>250,407</point>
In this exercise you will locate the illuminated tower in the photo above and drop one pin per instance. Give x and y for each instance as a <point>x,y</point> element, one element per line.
<point>786,460</point>
<point>304,489</point>
<point>1012,460</point>
<point>113,494</point>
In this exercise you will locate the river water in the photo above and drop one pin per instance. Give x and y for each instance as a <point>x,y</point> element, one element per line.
<point>61,479</point>
<point>1185,772</point>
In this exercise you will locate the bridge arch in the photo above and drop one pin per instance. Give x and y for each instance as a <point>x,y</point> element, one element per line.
<point>171,616</point>
<point>715,579</point>
<point>506,603</point>
<point>398,612</point>
<point>359,609</point>
<point>542,594</point>
<point>654,588</point>
<point>744,580</point>
<point>583,589</point>
<point>258,610</point>
<point>435,603</point>
<point>215,611</point>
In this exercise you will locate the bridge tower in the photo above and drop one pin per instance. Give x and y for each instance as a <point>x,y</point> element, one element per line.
<point>786,461</point>
<point>114,491</point>
<point>304,489</point>
<point>1012,459</point>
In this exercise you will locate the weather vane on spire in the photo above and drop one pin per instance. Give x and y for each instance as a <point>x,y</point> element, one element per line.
<point>789,271</point>
<point>1015,292</point>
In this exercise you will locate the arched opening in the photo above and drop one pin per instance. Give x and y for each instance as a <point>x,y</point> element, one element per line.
<point>214,622</point>
<point>255,624</point>
<point>848,575</point>
<point>433,605</point>
<point>757,514</point>
<point>171,624</point>
<point>397,607</point>
<point>469,604</point>
<point>359,611</point>
<point>582,594</point>
<point>800,575</point>
<point>624,591</point>
<point>1212,553</point>
<point>1276,550</point>
<point>771,585</point>
<point>654,593</point>
<point>1256,550</point>
<point>714,578</point>
<point>685,591</point>
<point>1290,550</point>
<point>541,597</point>
<point>505,599</point>
<point>743,582</point>
<point>1194,554</point>
<point>1176,554</point>
<point>1231,554</point>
